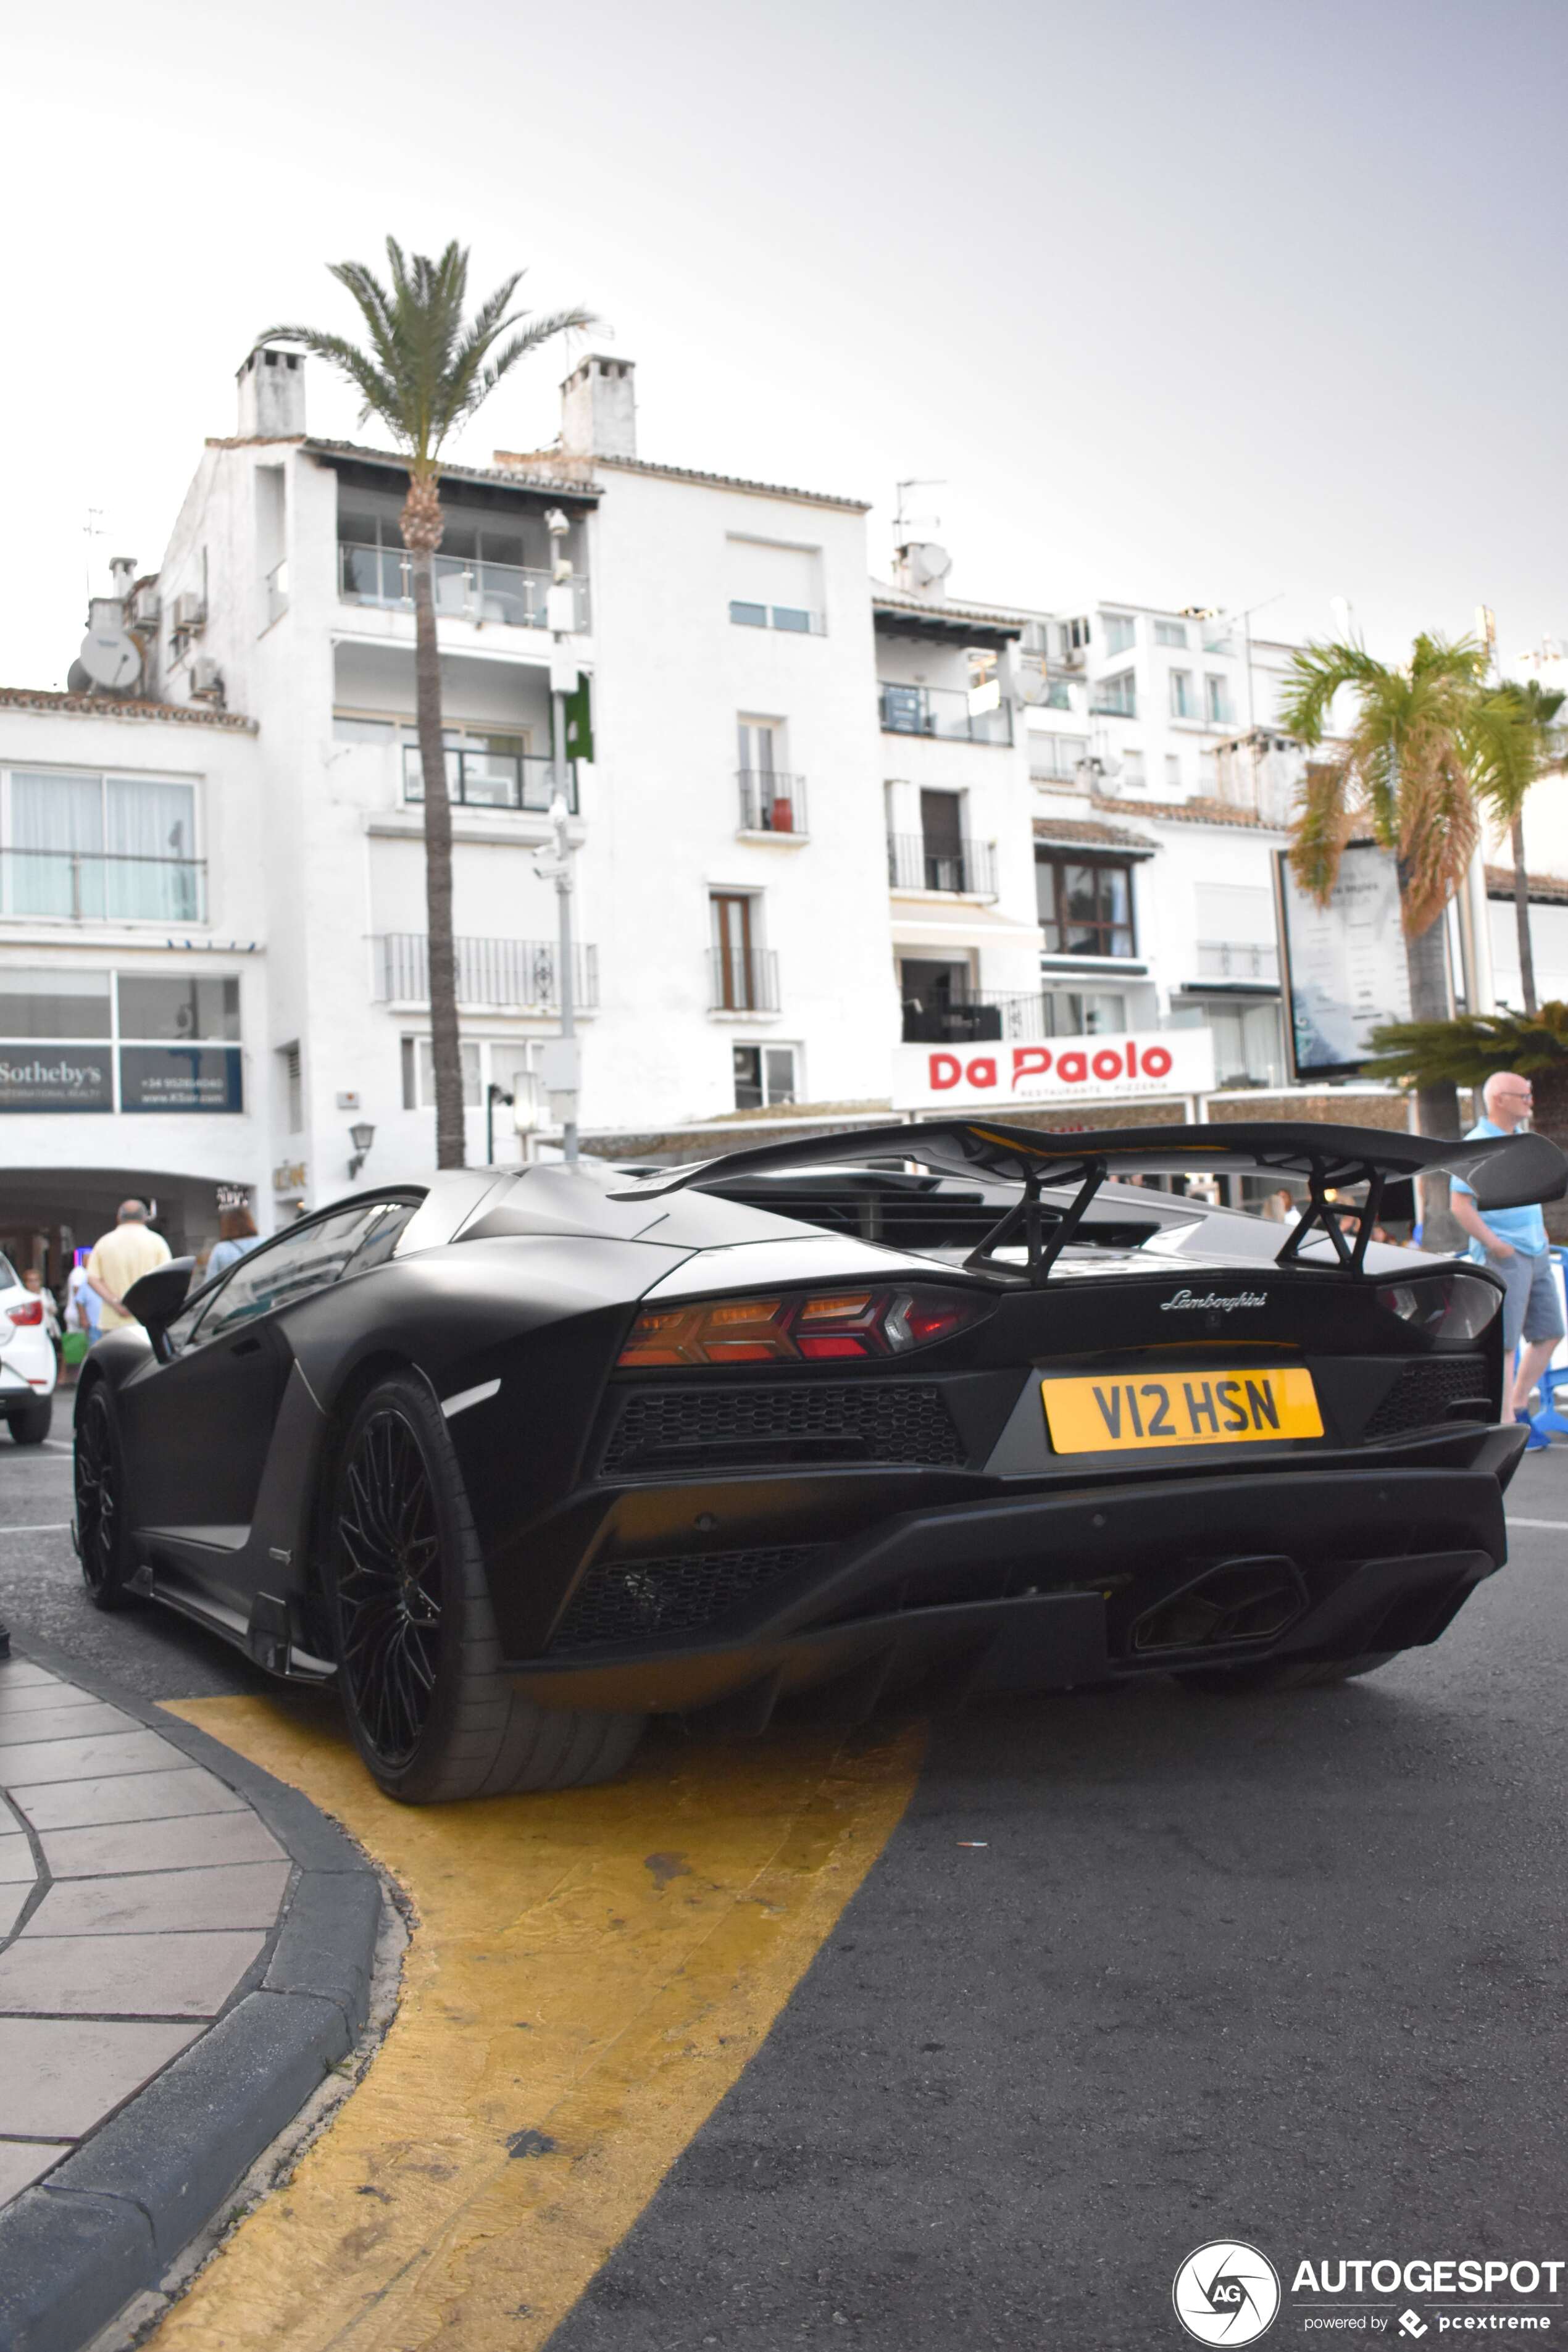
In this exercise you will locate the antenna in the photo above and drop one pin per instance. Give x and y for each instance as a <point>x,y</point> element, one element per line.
<point>903,523</point>
<point>91,529</point>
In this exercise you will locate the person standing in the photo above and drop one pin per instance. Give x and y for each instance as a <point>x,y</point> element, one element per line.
<point>237,1234</point>
<point>120,1258</point>
<point>1512,1242</point>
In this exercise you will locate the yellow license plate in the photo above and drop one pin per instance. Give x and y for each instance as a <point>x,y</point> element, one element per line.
<point>1100,1416</point>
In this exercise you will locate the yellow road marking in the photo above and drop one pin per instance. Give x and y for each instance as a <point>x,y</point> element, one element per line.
<point>588,1975</point>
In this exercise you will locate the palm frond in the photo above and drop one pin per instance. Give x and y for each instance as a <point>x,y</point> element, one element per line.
<point>1327,810</point>
<point>1466,1052</point>
<point>1316,675</point>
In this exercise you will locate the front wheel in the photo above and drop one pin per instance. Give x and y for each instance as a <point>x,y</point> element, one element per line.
<point>1247,1681</point>
<point>418,1656</point>
<point>32,1426</point>
<point>103,1538</point>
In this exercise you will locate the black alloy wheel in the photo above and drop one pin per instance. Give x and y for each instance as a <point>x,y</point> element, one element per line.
<point>424,1679</point>
<point>100,1481</point>
<point>389,1585</point>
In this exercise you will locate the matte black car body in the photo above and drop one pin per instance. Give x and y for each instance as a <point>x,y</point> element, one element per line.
<point>718,1537</point>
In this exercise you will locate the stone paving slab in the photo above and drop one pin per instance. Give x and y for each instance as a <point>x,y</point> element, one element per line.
<point>83,1759</point>
<point>61,2074</point>
<point>171,1975</point>
<point>65,1723</point>
<point>22,2160</point>
<point>237,1894</point>
<point>184,1951</point>
<point>144,1797</point>
<point>33,1695</point>
<point>200,1841</point>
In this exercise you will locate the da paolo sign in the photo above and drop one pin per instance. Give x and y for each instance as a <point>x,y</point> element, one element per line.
<point>1062,1070</point>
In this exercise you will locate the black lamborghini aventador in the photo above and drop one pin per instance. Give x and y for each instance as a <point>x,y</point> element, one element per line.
<point>522,1457</point>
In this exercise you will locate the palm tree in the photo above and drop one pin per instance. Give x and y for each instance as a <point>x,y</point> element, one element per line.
<point>424,372</point>
<point>1401,775</point>
<point>1511,748</point>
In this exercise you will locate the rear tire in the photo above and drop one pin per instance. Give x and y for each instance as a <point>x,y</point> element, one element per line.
<point>103,1537</point>
<point>1247,1681</point>
<point>31,1428</point>
<point>414,1635</point>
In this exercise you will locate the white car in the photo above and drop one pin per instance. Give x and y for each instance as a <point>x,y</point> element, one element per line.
<point>27,1366</point>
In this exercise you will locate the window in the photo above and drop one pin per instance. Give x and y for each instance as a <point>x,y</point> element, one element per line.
<point>1085,905</point>
<point>775,587</point>
<point>419,1074</point>
<point>1073,635</point>
<point>1121,632</point>
<point>1173,773</point>
<point>1056,755</point>
<point>1036,640</point>
<point>99,848</point>
<point>1079,1013</point>
<point>738,980</point>
<point>1217,690</point>
<point>1059,694</point>
<point>128,1042</point>
<point>1183,705</point>
<point>1248,1043</point>
<point>1132,769</point>
<point>280,1273</point>
<point>1170,633</point>
<point>764,1075</point>
<point>1117,697</point>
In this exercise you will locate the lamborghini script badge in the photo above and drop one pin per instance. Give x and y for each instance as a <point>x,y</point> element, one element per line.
<point>1213,1301</point>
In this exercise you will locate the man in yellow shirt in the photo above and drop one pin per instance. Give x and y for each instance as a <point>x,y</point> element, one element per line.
<point>122,1257</point>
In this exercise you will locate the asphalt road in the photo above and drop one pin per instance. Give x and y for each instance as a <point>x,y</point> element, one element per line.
<point>1136,1971</point>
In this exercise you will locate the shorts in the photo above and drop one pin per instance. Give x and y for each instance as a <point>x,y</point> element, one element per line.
<point>1529,1309</point>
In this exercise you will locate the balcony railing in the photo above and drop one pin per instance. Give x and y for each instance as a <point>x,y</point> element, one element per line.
<point>743,980</point>
<point>1057,755</point>
<point>466,588</point>
<point>494,780</point>
<point>89,887</point>
<point>975,1019</point>
<point>770,802</point>
<point>966,866</point>
<point>513,975</point>
<point>942,711</point>
<point>1233,960</point>
<point>1123,705</point>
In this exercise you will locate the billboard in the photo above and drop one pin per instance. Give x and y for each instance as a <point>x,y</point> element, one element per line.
<point>1344,969</point>
<point>1064,1070</point>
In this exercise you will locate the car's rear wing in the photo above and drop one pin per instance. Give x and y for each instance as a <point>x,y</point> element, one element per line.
<point>1504,1171</point>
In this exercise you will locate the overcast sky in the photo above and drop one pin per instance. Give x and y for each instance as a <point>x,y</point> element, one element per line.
<point>1210,302</point>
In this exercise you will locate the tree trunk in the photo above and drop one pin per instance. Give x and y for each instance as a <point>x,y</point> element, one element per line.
<point>1521,919</point>
<point>1437,1106</point>
<point>446,1051</point>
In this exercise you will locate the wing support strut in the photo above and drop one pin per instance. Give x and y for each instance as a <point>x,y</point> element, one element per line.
<point>1041,1250</point>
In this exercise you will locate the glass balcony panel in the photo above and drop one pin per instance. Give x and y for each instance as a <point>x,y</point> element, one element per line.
<point>80,886</point>
<point>488,780</point>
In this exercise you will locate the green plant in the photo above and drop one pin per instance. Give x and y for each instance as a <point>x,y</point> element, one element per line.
<point>1467,1052</point>
<point>422,372</point>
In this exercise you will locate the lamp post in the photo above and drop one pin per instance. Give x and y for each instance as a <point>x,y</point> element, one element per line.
<point>560,1057</point>
<point>362,1134</point>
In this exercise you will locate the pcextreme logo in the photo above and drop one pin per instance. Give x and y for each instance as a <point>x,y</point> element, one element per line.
<point>1226,2293</point>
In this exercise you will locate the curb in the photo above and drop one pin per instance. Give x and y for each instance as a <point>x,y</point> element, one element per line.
<point>107,2222</point>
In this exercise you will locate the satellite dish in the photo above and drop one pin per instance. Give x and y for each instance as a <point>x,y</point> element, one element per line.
<point>110,657</point>
<point>928,564</point>
<point>77,679</point>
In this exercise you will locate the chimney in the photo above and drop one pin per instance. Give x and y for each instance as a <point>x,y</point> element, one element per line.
<point>272,395</point>
<point>598,409</point>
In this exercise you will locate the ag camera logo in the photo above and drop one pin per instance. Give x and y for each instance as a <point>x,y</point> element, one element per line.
<point>1227,2293</point>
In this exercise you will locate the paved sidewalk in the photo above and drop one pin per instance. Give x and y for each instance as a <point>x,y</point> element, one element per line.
<point>185,1946</point>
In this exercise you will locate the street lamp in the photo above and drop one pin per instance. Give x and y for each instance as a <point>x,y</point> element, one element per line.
<point>361,1136</point>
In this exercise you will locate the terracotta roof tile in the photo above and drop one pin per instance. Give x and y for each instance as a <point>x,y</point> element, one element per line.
<point>1201,811</point>
<point>107,706</point>
<point>1548,887</point>
<point>1069,831</point>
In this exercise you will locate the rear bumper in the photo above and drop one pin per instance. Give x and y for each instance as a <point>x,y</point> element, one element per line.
<point>1049,1590</point>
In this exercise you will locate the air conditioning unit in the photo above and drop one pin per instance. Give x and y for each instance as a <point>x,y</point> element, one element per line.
<point>144,606</point>
<point>188,612</point>
<point>206,680</point>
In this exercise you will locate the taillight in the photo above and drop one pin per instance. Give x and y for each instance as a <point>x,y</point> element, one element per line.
<point>829,1326</point>
<point>33,1312</point>
<point>1444,1305</point>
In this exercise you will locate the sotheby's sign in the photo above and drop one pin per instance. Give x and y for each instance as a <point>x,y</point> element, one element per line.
<point>1057,1070</point>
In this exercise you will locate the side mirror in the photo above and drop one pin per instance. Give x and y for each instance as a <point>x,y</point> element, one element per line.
<point>157,1299</point>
